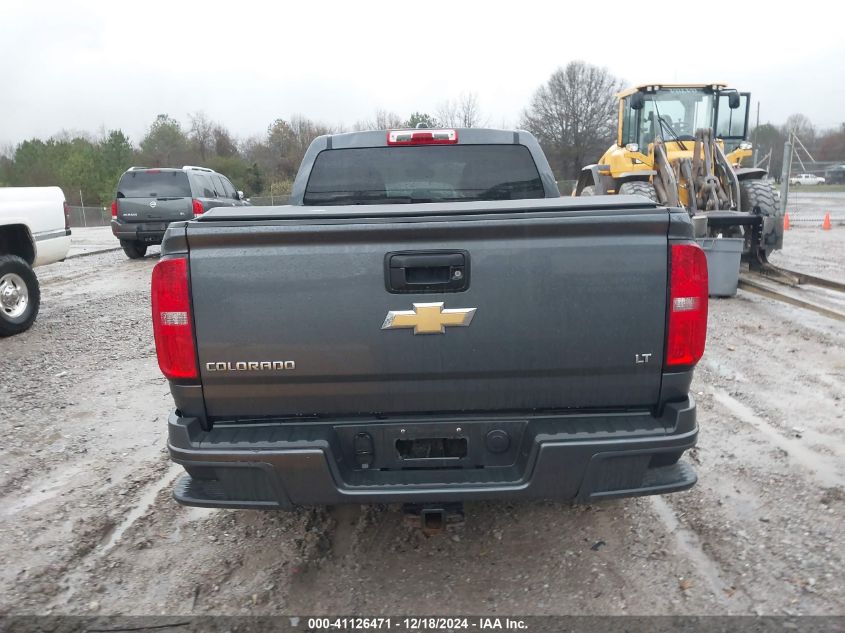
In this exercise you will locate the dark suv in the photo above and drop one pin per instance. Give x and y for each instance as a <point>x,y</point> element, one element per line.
<point>148,199</point>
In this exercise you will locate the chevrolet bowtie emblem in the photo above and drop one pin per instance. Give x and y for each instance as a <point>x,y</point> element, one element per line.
<point>428,318</point>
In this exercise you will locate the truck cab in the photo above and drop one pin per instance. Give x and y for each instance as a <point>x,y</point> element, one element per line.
<point>34,231</point>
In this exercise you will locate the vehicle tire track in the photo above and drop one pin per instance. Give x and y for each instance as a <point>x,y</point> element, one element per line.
<point>98,541</point>
<point>690,545</point>
<point>823,467</point>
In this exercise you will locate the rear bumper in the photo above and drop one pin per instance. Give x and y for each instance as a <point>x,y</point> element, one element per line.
<point>280,465</point>
<point>51,250</point>
<point>144,232</point>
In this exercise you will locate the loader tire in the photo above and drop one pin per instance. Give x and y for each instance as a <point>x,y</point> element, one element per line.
<point>638,188</point>
<point>757,196</point>
<point>588,191</point>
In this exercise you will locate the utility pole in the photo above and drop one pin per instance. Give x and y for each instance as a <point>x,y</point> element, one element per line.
<point>756,127</point>
<point>82,204</point>
<point>784,174</point>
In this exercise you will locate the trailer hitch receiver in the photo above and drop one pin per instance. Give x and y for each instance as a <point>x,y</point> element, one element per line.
<point>433,518</point>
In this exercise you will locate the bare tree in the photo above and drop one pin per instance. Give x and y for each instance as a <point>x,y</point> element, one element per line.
<point>464,111</point>
<point>67,135</point>
<point>447,113</point>
<point>469,111</point>
<point>383,120</point>
<point>573,115</point>
<point>201,134</point>
<point>830,144</point>
<point>253,148</point>
<point>800,125</point>
<point>305,130</point>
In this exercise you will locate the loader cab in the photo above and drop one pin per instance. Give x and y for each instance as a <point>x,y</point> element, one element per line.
<point>683,145</point>
<point>674,113</point>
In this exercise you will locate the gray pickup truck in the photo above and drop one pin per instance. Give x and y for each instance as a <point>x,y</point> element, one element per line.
<point>429,322</point>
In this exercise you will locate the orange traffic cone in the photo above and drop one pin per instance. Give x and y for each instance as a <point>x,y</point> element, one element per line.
<point>786,222</point>
<point>826,223</point>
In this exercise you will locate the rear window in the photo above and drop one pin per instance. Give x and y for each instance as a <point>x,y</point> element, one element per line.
<point>428,173</point>
<point>154,184</point>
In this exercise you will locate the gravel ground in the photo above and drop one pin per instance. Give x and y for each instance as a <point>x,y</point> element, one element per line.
<point>813,251</point>
<point>87,524</point>
<point>91,239</point>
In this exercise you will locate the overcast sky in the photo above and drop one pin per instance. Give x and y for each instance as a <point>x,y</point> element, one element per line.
<point>92,65</point>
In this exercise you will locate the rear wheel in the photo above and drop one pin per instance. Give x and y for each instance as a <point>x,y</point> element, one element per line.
<point>133,250</point>
<point>20,296</point>
<point>638,188</point>
<point>758,197</point>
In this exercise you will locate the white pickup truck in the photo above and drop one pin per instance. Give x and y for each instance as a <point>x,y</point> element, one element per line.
<point>34,230</point>
<point>806,179</point>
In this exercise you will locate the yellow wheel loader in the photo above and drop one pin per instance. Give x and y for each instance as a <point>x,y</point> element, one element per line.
<point>685,145</point>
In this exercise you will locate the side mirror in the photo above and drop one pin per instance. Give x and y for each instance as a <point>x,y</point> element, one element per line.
<point>733,100</point>
<point>240,195</point>
<point>637,101</point>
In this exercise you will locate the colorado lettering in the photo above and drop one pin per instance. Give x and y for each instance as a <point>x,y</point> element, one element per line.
<point>266,365</point>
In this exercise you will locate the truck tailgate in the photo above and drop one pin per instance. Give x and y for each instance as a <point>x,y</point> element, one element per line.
<point>569,311</point>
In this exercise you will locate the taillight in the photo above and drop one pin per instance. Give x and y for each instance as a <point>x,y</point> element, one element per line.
<point>198,209</point>
<point>172,323</point>
<point>114,208</point>
<point>422,137</point>
<point>67,215</point>
<point>687,330</point>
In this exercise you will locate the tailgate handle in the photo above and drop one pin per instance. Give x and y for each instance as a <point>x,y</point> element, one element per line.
<point>431,271</point>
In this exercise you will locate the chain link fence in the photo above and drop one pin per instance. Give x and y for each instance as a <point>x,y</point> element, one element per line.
<point>89,216</point>
<point>268,201</point>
